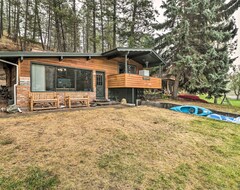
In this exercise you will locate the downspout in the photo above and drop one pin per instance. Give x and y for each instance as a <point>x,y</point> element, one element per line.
<point>15,85</point>
<point>126,62</point>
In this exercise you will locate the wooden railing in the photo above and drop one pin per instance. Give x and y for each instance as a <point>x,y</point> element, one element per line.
<point>133,81</point>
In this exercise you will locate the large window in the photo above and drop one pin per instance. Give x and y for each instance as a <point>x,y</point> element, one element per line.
<point>51,78</point>
<point>131,68</point>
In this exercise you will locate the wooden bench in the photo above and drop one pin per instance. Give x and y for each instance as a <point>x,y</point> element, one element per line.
<point>45,100</point>
<point>75,97</point>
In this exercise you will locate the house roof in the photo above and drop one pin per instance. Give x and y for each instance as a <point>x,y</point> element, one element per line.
<point>139,55</point>
<point>26,54</point>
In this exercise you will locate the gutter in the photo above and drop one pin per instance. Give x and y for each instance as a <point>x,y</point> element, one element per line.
<point>15,85</point>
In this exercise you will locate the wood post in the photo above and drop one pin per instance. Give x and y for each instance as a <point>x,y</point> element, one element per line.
<point>126,62</point>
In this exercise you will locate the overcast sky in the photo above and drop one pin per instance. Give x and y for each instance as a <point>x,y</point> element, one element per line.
<point>157,4</point>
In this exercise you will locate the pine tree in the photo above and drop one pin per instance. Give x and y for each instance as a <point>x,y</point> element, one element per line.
<point>197,43</point>
<point>174,43</point>
<point>137,18</point>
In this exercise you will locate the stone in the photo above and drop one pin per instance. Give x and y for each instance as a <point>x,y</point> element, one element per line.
<point>123,101</point>
<point>13,109</point>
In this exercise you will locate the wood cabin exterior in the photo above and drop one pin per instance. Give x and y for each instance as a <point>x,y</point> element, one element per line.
<point>110,75</point>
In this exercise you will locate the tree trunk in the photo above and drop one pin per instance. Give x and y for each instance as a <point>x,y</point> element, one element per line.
<point>215,100</point>
<point>63,36</point>
<point>175,87</point>
<point>26,25</point>
<point>102,29</point>
<point>40,29</point>
<point>132,41</point>
<point>114,23</point>
<point>35,20</point>
<point>9,17</point>
<point>57,26</point>
<point>14,18</point>
<point>62,31</point>
<point>48,28</point>
<point>94,27</point>
<point>87,33</point>
<point>74,27</point>
<point>1,20</point>
<point>84,39</point>
<point>15,38</point>
<point>238,96</point>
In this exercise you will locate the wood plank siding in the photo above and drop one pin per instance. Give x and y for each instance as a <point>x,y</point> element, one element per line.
<point>109,67</point>
<point>133,81</point>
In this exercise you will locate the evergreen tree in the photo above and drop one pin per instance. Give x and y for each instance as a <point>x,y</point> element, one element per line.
<point>197,44</point>
<point>137,18</point>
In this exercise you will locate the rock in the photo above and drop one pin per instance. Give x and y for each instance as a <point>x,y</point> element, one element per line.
<point>13,109</point>
<point>123,101</point>
<point>3,109</point>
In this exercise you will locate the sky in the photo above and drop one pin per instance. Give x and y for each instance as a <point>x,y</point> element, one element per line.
<point>157,4</point>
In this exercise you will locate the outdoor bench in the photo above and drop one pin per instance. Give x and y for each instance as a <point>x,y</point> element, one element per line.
<point>74,97</point>
<point>43,100</point>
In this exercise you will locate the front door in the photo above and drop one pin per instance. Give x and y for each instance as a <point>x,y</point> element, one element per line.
<point>100,85</point>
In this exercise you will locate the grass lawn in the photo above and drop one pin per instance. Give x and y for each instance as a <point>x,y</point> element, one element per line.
<point>234,102</point>
<point>126,148</point>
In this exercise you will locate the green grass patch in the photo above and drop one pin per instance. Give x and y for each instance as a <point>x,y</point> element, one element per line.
<point>216,176</point>
<point>175,180</point>
<point>122,167</point>
<point>235,103</point>
<point>33,179</point>
<point>221,171</point>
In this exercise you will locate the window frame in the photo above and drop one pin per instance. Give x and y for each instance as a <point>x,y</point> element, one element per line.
<point>55,78</point>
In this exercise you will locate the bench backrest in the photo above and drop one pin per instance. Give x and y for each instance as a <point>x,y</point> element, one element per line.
<point>75,95</point>
<point>42,95</point>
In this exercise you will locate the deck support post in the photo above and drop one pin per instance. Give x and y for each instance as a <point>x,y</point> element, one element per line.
<point>133,95</point>
<point>126,62</point>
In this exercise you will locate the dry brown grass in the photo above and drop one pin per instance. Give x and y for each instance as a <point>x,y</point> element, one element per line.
<point>128,148</point>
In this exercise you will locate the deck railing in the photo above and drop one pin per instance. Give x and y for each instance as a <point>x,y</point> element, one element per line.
<point>133,81</point>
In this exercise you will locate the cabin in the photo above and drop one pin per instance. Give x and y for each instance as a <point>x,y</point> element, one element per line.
<point>116,74</point>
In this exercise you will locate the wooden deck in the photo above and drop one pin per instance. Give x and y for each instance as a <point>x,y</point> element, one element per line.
<point>133,81</point>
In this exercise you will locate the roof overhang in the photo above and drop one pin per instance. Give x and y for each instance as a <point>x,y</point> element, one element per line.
<point>22,54</point>
<point>141,55</point>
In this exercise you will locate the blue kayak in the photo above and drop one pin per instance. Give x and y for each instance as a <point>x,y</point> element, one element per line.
<point>224,118</point>
<point>196,110</point>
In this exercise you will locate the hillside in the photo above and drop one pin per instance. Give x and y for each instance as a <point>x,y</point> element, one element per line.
<point>140,148</point>
<point>7,44</point>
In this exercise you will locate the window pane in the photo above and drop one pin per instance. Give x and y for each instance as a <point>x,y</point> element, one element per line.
<point>50,78</point>
<point>132,69</point>
<point>38,78</point>
<point>84,80</point>
<point>121,68</point>
<point>65,78</point>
